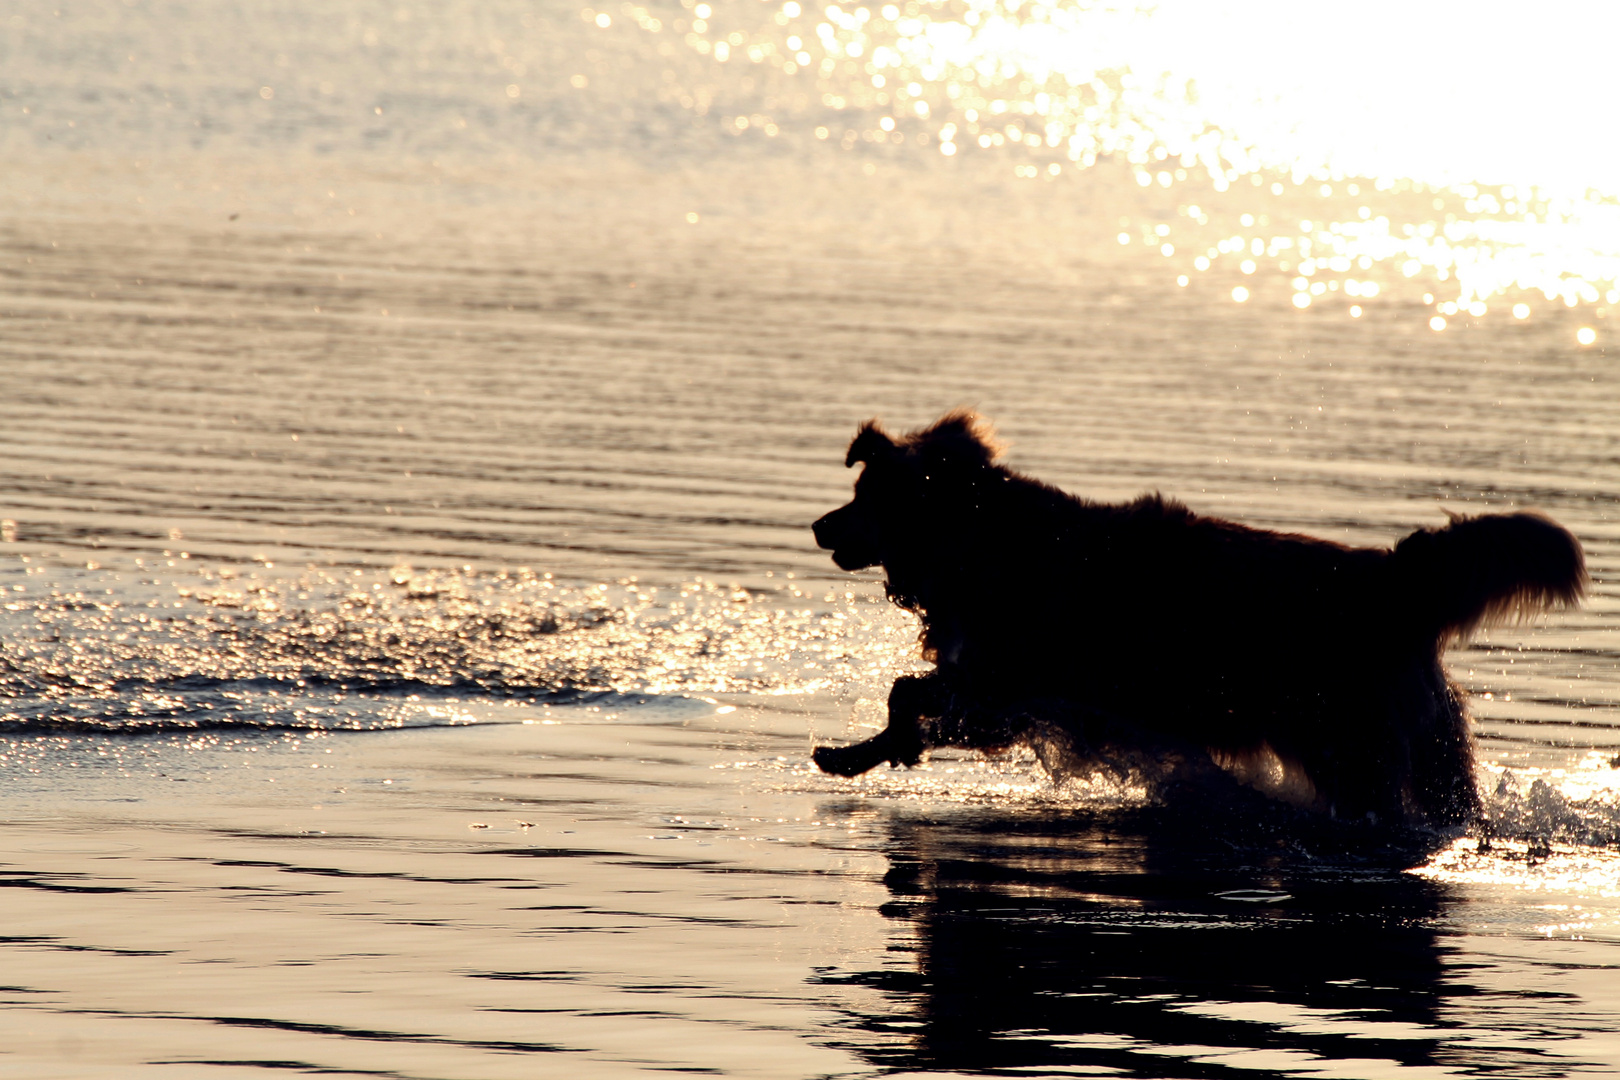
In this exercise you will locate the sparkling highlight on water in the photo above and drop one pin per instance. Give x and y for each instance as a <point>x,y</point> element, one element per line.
<point>1176,98</point>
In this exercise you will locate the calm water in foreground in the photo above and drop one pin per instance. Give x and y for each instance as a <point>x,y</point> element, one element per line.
<point>412,639</point>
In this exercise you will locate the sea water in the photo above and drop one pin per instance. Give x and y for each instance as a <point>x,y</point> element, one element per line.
<point>413,642</point>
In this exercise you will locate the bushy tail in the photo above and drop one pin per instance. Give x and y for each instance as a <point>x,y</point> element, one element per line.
<point>1483,570</point>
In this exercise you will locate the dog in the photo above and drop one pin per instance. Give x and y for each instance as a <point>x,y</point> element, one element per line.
<point>1143,632</point>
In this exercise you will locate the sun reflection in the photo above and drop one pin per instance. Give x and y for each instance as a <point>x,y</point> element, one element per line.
<point>1181,99</point>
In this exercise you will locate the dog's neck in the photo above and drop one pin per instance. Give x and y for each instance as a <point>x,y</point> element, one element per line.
<point>941,635</point>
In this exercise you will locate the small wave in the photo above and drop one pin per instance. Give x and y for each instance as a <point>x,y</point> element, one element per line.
<point>203,705</point>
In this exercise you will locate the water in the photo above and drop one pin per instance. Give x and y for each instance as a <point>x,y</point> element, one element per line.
<point>413,640</point>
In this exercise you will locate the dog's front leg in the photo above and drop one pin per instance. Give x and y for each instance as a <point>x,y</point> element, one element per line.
<point>912,699</point>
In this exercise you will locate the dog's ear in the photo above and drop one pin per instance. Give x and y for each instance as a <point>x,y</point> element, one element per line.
<point>870,444</point>
<point>961,437</point>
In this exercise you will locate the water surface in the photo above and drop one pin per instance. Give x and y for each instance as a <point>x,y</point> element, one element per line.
<point>413,641</point>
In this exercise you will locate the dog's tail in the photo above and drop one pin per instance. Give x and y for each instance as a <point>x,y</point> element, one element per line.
<point>1477,571</point>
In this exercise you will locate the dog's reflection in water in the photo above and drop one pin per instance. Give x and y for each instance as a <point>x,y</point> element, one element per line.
<point>1169,943</point>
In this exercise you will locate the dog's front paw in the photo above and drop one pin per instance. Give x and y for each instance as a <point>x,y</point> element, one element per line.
<point>846,760</point>
<point>902,747</point>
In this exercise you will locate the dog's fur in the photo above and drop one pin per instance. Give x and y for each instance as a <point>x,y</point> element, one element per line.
<point>1145,629</point>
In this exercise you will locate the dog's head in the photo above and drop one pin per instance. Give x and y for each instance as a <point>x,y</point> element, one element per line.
<point>910,488</point>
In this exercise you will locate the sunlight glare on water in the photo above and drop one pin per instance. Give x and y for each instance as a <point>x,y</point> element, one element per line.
<point>356,650</point>
<point>1376,140</point>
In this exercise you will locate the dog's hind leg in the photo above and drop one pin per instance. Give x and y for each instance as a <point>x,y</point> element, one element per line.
<point>912,699</point>
<point>1442,785</point>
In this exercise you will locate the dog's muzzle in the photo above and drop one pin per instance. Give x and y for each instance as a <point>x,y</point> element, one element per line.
<point>825,530</point>
<point>852,547</point>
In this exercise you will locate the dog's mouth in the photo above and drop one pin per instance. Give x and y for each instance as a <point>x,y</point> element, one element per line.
<point>850,560</point>
<point>850,551</point>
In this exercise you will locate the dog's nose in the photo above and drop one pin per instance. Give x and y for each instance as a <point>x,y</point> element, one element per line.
<point>819,528</point>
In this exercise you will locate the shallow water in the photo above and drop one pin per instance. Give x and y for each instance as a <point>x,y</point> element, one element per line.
<point>413,640</point>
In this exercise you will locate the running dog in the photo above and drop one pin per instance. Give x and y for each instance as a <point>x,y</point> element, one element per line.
<point>1145,632</point>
